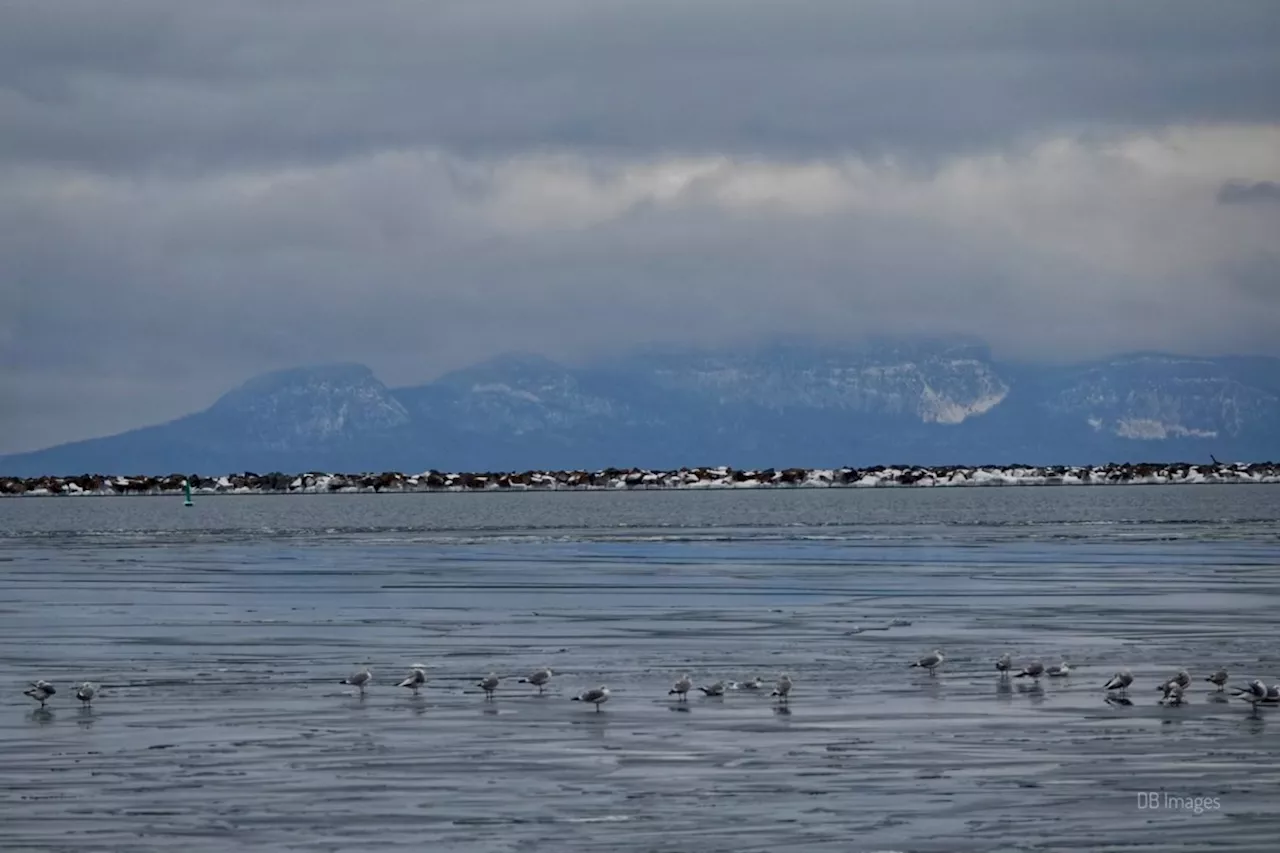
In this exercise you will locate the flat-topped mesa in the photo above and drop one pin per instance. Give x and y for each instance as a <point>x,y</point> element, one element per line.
<point>722,477</point>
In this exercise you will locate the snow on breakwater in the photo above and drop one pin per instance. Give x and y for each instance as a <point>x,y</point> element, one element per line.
<point>638,478</point>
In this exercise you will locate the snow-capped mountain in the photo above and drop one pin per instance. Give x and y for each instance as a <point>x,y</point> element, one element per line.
<point>300,418</point>
<point>311,407</point>
<point>778,405</point>
<point>513,395</point>
<point>944,385</point>
<point>1157,397</point>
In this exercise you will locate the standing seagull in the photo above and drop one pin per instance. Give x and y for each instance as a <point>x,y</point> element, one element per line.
<point>539,679</point>
<point>1182,679</point>
<point>783,690</point>
<point>1219,678</point>
<point>488,685</point>
<point>716,689</point>
<point>359,679</point>
<point>596,695</point>
<point>416,678</point>
<point>1120,681</point>
<point>41,691</point>
<point>86,692</point>
<point>1004,664</point>
<point>682,687</point>
<point>930,662</point>
<point>1035,669</point>
<point>1254,692</point>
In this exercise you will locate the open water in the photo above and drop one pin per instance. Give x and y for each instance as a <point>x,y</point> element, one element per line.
<point>219,634</point>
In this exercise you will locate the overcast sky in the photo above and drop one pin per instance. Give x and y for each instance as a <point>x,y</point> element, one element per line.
<point>191,193</point>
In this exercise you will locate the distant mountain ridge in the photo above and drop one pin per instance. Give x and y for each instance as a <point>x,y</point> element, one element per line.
<point>932,402</point>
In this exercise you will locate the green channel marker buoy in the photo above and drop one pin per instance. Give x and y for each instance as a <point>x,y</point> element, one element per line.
<point>186,493</point>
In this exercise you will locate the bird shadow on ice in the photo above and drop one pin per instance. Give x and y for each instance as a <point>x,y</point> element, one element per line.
<point>1253,724</point>
<point>1034,692</point>
<point>41,716</point>
<point>357,701</point>
<point>595,725</point>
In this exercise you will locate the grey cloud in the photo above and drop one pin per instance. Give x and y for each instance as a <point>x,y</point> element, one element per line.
<point>192,193</point>
<point>1257,278</point>
<point>147,84</point>
<point>1245,192</point>
<point>415,263</point>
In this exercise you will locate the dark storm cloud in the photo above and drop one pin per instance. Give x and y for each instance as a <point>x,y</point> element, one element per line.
<point>192,193</point>
<point>1244,192</point>
<point>151,84</point>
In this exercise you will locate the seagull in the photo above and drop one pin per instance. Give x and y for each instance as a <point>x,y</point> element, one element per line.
<point>1219,678</point>
<point>86,692</point>
<point>359,679</point>
<point>1182,679</point>
<point>1120,681</point>
<point>1004,664</point>
<point>1172,693</point>
<point>716,689</point>
<point>596,695</point>
<point>416,678</point>
<point>1254,692</point>
<point>40,691</point>
<point>930,662</point>
<point>783,690</point>
<point>488,685</point>
<point>539,679</point>
<point>682,687</point>
<point>1059,670</point>
<point>1035,669</point>
<point>753,684</point>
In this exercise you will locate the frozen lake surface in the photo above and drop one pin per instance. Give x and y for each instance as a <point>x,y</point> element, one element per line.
<point>219,634</point>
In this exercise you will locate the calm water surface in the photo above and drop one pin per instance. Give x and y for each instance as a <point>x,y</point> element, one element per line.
<point>220,632</point>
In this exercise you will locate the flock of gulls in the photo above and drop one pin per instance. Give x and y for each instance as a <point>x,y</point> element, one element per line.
<point>597,696</point>
<point>1173,689</point>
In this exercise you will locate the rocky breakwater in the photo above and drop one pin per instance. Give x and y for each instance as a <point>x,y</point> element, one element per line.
<point>638,478</point>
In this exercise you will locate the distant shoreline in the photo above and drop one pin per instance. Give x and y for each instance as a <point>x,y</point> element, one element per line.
<point>636,479</point>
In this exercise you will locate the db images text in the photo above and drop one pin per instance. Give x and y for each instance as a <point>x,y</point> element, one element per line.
<point>1165,801</point>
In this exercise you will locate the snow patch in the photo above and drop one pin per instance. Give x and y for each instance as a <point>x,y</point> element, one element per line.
<point>938,408</point>
<point>1150,429</point>
<point>506,390</point>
